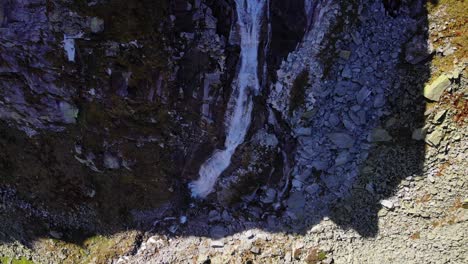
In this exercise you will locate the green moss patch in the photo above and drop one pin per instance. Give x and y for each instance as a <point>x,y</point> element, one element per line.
<point>6,260</point>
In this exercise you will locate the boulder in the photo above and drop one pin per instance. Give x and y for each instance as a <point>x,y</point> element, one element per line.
<point>419,134</point>
<point>296,203</point>
<point>341,140</point>
<point>387,204</point>
<point>435,90</point>
<point>269,196</point>
<point>435,137</point>
<point>380,135</point>
<point>418,49</point>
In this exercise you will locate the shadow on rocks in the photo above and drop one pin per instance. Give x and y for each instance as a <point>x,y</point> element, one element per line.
<point>394,156</point>
<point>397,153</point>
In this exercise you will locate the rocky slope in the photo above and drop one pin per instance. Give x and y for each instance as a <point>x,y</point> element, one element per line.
<point>356,152</point>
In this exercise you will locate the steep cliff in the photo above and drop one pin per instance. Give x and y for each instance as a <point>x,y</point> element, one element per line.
<point>131,121</point>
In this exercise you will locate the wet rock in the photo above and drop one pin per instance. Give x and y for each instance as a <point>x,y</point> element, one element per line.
<point>341,140</point>
<point>435,90</point>
<point>96,25</point>
<point>112,49</point>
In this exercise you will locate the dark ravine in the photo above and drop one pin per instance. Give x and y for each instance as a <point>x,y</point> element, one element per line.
<point>109,108</point>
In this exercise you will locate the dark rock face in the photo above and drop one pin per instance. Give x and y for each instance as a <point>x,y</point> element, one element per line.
<point>288,22</point>
<point>108,108</point>
<point>101,103</point>
<point>392,6</point>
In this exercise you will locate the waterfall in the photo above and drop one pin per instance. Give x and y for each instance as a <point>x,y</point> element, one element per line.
<point>238,115</point>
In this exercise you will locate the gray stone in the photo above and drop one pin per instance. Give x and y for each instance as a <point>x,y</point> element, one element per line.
<point>312,189</point>
<point>213,216</point>
<point>303,131</point>
<point>379,100</point>
<point>342,158</point>
<point>417,50</point>
<point>255,250</point>
<point>309,114</point>
<point>316,229</point>
<point>387,204</point>
<point>218,232</point>
<point>334,120</point>
<point>345,54</point>
<point>210,22</point>
<point>435,90</point>
<point>362,95</point>
<point>439,117</point>
<point>56,234</point>
<point>435,137</point>
<point>419,134</point>
<point>341,140</point>
<point>269,196</point>
<point>296,203</point>
<point>217,244</point>
<point>249,234</point>
<point>347,73</point>
<point>96,24</point>
<point>69,112</point>
<point>111,162</point>
<point>380,135</point>
<point>297,184</point>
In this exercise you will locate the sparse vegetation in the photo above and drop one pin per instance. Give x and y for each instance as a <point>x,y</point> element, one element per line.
<point>298,90</point>
<point>452,14</point>
<point>6,260</point>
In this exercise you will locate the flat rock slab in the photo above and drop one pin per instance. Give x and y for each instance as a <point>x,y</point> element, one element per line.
<point>435,90</point>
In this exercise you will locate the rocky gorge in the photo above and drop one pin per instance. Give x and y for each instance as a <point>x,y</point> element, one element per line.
<point>331,131</point>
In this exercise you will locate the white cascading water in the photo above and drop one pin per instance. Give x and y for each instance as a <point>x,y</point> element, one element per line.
<point>250,13</point>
